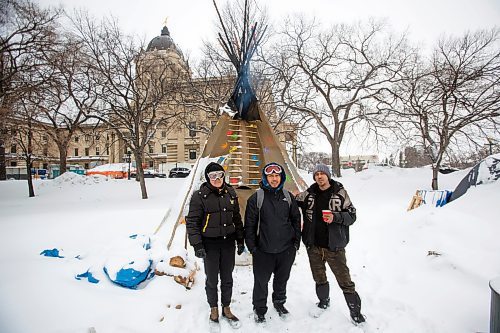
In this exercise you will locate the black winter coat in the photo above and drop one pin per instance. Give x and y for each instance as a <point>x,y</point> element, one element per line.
<point>214,214</point>
<point>344,215</point>
<point>279,223</point>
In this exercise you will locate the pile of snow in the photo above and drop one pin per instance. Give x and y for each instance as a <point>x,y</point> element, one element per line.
<point>113,167</point>
<point>489,170</point>
<point>71,178</point>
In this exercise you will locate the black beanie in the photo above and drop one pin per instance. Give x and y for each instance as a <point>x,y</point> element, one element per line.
<point>212,166</point>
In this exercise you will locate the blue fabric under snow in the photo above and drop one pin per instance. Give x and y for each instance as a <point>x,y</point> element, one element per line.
<point>129,277</point>
<point>51,253</point>
<point>88,275</point>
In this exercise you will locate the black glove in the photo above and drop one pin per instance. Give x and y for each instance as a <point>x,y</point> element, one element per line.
<point>241,248</point>
<point>200,253</point>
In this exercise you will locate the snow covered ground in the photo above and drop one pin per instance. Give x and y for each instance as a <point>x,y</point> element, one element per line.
<point>403,289</point>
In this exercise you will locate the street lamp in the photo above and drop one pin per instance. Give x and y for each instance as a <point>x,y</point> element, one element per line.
<point>128,159</point>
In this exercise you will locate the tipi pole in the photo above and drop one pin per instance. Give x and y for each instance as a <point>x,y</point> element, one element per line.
<point>182,206</point>
<point>167,214</point>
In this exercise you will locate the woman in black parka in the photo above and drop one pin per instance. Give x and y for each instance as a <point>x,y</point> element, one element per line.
<point>214,227</point>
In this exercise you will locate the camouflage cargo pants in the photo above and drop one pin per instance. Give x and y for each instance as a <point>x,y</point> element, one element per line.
<point>318,256</point>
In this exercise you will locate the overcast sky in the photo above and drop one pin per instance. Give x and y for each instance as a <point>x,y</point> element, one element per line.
<point>192,21</point>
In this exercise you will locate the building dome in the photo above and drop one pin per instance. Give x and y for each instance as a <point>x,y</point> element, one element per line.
<point>163,42</point>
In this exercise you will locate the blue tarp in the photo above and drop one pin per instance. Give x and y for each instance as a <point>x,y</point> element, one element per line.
<point>129,277</point>
<point>51,253</point>
<point>437,198</point>
<point>88,276</point>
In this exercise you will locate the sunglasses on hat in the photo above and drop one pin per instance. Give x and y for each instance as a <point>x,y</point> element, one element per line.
<point>273,168</point>
<point>214,175</point>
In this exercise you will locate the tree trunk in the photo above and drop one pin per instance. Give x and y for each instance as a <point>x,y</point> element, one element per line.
<point>336,160</point>
<point>29,166</point>
<point>3,171</point>
<point>63,155</point>
<point>140,175</point>
<point>435,172</point>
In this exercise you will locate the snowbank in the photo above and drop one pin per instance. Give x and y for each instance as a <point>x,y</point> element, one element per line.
<point>71,178</point>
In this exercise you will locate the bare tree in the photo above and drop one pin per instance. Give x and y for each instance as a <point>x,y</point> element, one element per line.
<point>134,88</point>
<point>64,93</point>
<point>25,30</point>
<point>336,77</point>
<point>452,99</point>
<point>28,134</point>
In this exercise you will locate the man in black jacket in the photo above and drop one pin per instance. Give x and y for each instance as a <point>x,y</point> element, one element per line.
<point>328,212</point>
<point>214,226</point>
<point>272,234</point>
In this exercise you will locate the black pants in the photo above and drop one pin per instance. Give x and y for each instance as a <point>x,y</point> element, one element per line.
<point>219,259</point>
<point>265,264</point>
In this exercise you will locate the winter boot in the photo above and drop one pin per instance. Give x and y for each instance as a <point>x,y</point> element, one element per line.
<point>214,314</point>
<point>324,303</point>
<point>230,317</point>
<point>280,308</point>
<point>213,320</point>
<point>260,318</point>
<point>323,292</point>
<point>354,304</point>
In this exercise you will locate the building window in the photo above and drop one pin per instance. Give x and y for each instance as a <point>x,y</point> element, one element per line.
<point>45,139</point>
<point>76,138</point>
<point>163,134</point>
<point>163,149</point>
<point>87,151</point>
<point>192,154</point>
<point>192,128</point>
<point>13,164</point>
<point>151,149</point>
<point>45,165</point>
<point>86,165</point>
<point>45,152</point>
<point>97,137</point>
<point>87,138</point>
<point>97,151</point>
<point>107,150</point>
<point>76,151</point>
<point>13,149</point>
<point>151,164</point>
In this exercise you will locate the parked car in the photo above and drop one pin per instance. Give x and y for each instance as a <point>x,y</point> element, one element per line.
<point>179,173</point>
<point>147,174</point>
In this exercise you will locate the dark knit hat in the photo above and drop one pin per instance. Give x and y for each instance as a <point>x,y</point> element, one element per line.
<point>323,168</point>
<point>212,166</point>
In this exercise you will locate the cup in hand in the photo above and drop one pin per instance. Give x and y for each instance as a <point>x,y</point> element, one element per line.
<point>327,214</point>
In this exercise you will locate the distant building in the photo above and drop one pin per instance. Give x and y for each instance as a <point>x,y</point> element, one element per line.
<point>357,162</point>
<point>179,143</point>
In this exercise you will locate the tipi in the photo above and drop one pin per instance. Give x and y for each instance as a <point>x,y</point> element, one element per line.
<point>243,140</point>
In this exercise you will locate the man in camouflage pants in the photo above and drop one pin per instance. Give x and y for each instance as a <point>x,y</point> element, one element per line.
<point>328,212</point>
